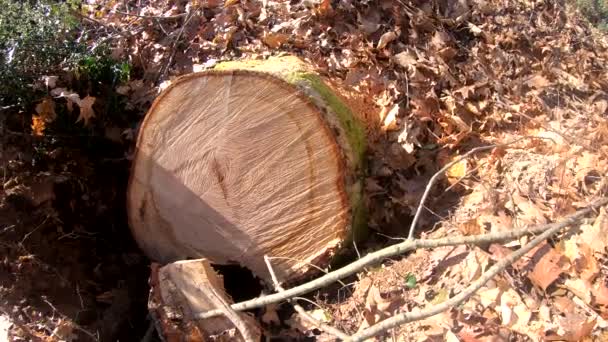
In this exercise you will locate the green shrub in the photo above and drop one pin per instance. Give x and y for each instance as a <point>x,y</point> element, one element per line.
<point>596,11</point>
<point>36,38</point>
<point>44,37</point>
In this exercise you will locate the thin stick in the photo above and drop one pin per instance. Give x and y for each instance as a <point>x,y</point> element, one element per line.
<point>320,325</point>
<point>439,173</point>
<point>175,43</point>
<point>177,16</point>
<point>500,266</point>
<point>150,332</point>
<point>34,230</point>
<point>397,249</point>
<point>232,315</point>
<point>309,264</point>
<point>102,24</point>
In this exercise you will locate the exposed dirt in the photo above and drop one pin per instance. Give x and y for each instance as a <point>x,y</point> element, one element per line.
<point>69,263</point>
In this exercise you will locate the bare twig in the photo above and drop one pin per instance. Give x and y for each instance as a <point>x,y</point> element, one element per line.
<point>397,249</point>
<point>102,24</point>
<point>500,266</point>
<point>72,323</point>
<point>177,16</point>
<point>308,264</point>
<point>34,230</point>
<point>150,332</point>
<point>439,173</point>
<point>232,315</point>
<point>320,325</point>
<point>163,71</point>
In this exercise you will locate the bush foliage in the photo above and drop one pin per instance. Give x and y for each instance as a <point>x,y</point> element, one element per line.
<point>45,37</point>
<point>596,11</point>
<point>36,38</point>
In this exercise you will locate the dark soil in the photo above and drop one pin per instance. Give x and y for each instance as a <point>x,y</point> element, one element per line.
<point>68,258</point>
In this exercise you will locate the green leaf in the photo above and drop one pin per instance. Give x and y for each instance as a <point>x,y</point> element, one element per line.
<point>410,281</point>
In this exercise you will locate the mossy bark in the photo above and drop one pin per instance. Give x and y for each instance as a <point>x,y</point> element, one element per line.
<point>348,129</point>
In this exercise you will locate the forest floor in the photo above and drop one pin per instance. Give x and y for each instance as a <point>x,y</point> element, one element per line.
<point>441,78</point>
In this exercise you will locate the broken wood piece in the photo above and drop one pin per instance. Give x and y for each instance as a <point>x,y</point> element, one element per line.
<point>180,290</point>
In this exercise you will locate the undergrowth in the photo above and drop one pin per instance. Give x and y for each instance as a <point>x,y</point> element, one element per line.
<point>596,11</point>
<point>45,38</point>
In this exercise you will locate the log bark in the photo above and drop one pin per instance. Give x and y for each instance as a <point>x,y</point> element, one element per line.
<point>250,159</point>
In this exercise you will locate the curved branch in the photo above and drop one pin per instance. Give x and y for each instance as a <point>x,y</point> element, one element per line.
<point>446,167</point>
<point>401,248</point>
<point>500,266</point>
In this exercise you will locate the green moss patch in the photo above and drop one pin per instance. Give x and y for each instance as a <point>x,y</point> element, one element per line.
<point>354,131</point>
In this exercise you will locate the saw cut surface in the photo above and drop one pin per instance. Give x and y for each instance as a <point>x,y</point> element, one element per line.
<point>233,166</point>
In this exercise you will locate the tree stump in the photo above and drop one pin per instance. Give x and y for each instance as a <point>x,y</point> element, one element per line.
<point>250,159</point>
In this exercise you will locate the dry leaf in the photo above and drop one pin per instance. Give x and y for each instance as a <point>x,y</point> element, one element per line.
<point>65,331</point>
<point>457,171</point>
<point>450,337</point>
<point>499,222</point>
<point>546,265</point>
<point>46,110</point>
<point>531,212</point>
<point>389,122</point>
<point>38,125</point>
<point>324,9</point>
<point>599,107</point>
<point>86,109</point>
<point>489,297</point>
<point>378,308</point>
<point>229,3</point>
<point>476,30</point>
<point>570,79</point>
<point>572,328</point>
<point>385,39</point>
<point>406,59</point>
<point>514,312</point>
<point>320,315</point>
<point>600,292</point>
<point>537,82</point>
<point>596,236</point>
<point>69,96</point>
<point>586,265</point>
<point>579,288</point>
<point>275,40</point>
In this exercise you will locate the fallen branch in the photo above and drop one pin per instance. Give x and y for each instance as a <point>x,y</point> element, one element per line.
<point>320,325</point>
<point>232,315</point>
<point>500,266</point>
<point>401,248</point>
<point>177,16</point>
<point>163,71</point>
<point>102,24</point>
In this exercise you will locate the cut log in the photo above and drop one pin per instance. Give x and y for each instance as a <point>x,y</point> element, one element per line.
<point>250,159</point>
